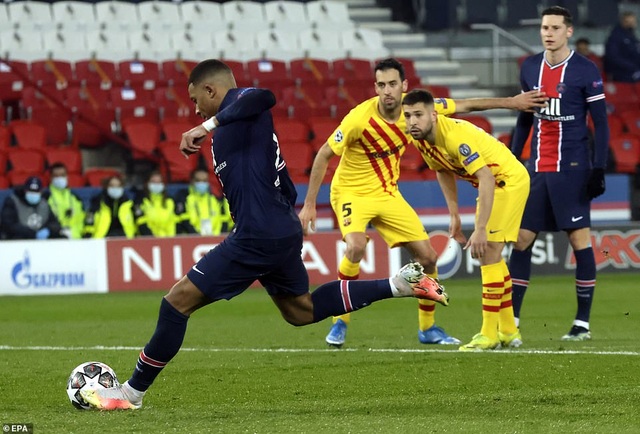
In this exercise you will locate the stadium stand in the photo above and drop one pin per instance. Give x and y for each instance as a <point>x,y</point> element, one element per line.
<point>111,64</point>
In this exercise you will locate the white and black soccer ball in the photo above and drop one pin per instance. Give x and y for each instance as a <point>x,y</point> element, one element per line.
<point>89,375</point>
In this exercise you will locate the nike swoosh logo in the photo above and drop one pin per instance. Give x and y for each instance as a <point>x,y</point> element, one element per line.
<point>493,232</point>
<point>575,219</point>
<point>194,268</point>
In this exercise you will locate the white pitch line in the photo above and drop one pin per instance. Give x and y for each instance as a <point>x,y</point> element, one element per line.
<point>320,350</point>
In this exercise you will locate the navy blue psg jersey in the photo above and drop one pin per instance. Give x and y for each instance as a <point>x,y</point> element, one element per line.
<point>560,136</point>
<point>247,161</point>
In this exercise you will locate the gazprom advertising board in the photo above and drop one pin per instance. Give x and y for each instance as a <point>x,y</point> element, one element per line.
<point>52,267</point>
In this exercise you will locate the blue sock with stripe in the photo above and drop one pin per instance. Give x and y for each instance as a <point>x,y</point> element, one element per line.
<point>342,296</point>
<point>520,269</point>
<point>163,346</point>
<point>585,282</point>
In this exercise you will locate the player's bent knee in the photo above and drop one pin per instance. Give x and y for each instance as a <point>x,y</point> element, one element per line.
<point>186,297</point>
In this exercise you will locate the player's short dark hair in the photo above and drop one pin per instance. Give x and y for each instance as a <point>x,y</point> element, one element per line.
<point>198,170</point>
<point>583,41</point>
<point>416,96</point>
<point>390,63</point>
<point>559,10</point>
<point>207,68</point>
<point>57,165</point>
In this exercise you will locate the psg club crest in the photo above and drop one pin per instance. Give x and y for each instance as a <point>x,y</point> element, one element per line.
<point>561,87</point>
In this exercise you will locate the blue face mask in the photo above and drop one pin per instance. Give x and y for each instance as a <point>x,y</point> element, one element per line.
<point>155,187</point>
<point>32,197</point>
<point>115,192</point>
<point>201,187</point>
<point>59,182</point>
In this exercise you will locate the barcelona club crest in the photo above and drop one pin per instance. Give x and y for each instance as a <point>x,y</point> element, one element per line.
<point>346,222</point>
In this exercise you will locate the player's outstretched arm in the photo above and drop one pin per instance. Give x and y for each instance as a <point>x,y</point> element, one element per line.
<point>525,101</point>
<point>248,103</point>
<point>318,170</point>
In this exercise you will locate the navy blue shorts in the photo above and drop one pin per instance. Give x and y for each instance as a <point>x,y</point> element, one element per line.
<point>233,265</point>
<point>557,202</point>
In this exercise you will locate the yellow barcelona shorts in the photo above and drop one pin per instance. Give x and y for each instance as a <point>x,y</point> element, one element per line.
<point>391,216</point>
<point>508,207</point>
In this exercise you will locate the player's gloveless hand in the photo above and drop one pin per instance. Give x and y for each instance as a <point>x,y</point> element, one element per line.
<point>308,219</point>
<point>192,140</point>
<point>530,101</point>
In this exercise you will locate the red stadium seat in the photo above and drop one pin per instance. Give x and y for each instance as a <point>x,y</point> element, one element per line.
<point>3,163</point>
<point>621,97</point>
<point>33,97</point>
<point>291,130</point>
<point>97,72</point>
<point>57,73</point>
<point>298,156</point>
<point>312,71</point>
<point>5,138</point>
<point>176,72</point>
<point>630,119</point>
<point>29,135</point>
<point>505,138</point>
<point>26,160</point>
<point>626,150</point>
<point>96,175</point>
<point>18,178</point>
<point>321,130</point>
<point>269,73</point>
<point>4,183</point>
<point>92,127</point>
<point>358,70</point>
<point>144,137</point>
<point>143,73</point>
<point>479,121</point>
<point>439,91</point>
<point>173,101</point>
<point>76,180</point>
<point>177,168</point>
<point>343,98</point>
<point>56,121</point>
<point>304,102</point>
<point>89,96</point>
<point>172,128</point>
<point>71,157</point>
<point>132,102</point>
<point>12,79</point>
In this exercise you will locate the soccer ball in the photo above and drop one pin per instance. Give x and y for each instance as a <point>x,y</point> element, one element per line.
<point>89,375</point>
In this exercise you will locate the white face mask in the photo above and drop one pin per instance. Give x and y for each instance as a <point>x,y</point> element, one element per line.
<point>201,187</point>
<point>155,187</point>
<point>115,192</point>
<point>32,197</point>
<point>60,182</point>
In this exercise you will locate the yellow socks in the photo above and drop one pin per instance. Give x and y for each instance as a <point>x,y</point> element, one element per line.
<point>492,292</point>
<point>507,324</point>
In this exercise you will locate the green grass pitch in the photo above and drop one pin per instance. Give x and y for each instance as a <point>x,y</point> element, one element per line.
<point>243,369</point>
